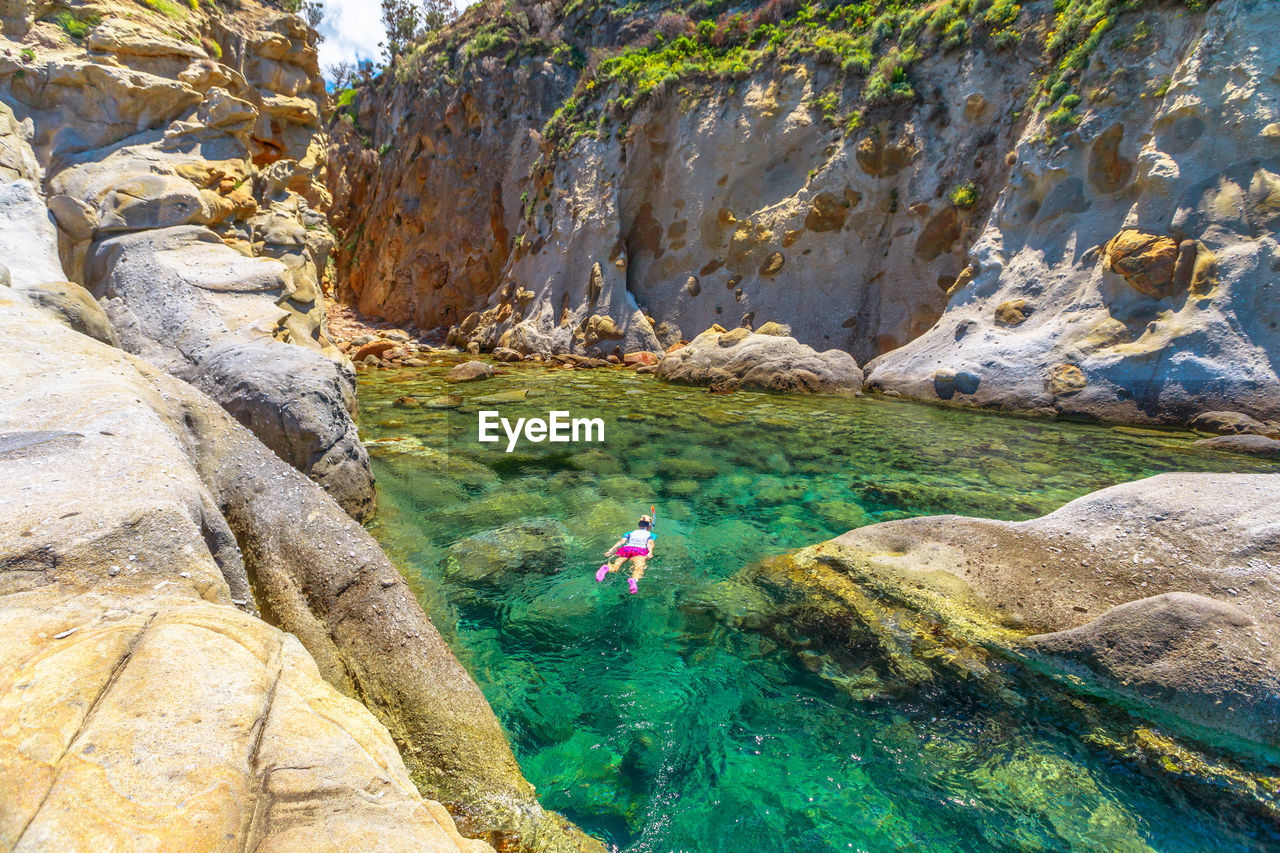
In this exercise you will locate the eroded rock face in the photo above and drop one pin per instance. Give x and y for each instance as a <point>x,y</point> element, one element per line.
<point>186,194</point>
<point>127,620</point>
<point>1159,591</point>
<point>768,362</point>
<point>182,160</point>
<point>737,201</point>
<point>1160,296</point>
<point>192,305</point>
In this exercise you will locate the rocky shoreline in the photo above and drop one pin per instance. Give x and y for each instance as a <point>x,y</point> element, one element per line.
<point>183,572</point>
<point>182,568</point>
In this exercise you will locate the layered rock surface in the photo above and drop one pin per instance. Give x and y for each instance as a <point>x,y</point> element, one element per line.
<point>1159,592</point>
<point>725,201</point>
<point>1141,251</point>
<point>181,157</point>
<point>1084,228</point>
<point>183,193</point>
<point>127,624</point>
<point>98,531</point>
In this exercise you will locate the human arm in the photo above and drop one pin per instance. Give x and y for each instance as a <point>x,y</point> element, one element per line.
<point>616,546</point>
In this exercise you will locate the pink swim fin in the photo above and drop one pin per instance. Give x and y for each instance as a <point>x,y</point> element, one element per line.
<point>631,582</point>
<point>601,572</point>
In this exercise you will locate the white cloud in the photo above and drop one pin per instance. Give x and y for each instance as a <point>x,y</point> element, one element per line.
<point>351,30</point>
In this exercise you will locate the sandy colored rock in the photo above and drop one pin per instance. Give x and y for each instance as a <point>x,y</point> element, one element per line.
<point>1154,591</point>
<point>741,358</point>
<point>76,306</point>
<point>374,348</point>
<point>469,371</point>
<point>1012,312</point>
<point>640,358</point>
<point>1146,261</point>
<point>137,632</point>
<point>1257,445</point>
<point>1066,379</point>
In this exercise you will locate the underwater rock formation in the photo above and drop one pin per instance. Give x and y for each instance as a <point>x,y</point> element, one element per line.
<point>1158,593</point>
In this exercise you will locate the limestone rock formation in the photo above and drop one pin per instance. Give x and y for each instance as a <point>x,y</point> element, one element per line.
<point>203,508</point>
<point>182,164</point>
<point>127,624</point>
<point>766,362</point>
<point>675,211</point>
<point>187,196</point>
<point>1157,591</point>
<point>1145,241</point>
<point>1015,202</point>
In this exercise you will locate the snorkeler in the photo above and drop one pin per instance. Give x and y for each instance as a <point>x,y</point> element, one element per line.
<point>636,546</point>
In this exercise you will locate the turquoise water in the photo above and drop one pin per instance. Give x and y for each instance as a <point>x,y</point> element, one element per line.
<point>657,727</point>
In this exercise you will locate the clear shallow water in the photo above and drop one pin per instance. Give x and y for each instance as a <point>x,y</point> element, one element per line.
<point>657,728</point>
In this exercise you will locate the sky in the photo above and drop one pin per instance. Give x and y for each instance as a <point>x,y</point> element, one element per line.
<point>352,30</point>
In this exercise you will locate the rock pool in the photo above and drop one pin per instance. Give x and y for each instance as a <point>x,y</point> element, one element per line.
<point>657,726</point>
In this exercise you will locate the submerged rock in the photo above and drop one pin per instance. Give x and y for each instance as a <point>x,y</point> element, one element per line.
<point>1232,423</point>
<point>1257,445</point>
<point>763,362</point>
<point>469,371</point>
<point>1159,592</point>
<point>498,557</point>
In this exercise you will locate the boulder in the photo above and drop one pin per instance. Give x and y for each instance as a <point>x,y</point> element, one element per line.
<point>635,359</point>
<point>376,348</point>
<point>746,359</point>
<point>1158,591</point>
<point>507,354</point>
<point>1257,445</point>
<point>499,557</point>
<point>75,306</point>
<point>469,371</point>
<point>299,404</point>
<point>127,618</point>
<point>1146,261</point>
<point>196,308</point>
<point>145,201</point>
<point>1229,423</point>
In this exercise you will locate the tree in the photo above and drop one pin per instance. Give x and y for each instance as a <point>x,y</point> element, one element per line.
<point>407,21</point>
<point>402,20</point>
<point>341,75</point>
<point>436,13</point>
<point>313,13</point>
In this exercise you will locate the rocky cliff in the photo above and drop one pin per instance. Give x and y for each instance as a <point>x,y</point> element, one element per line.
<point>1050,206</point>
<point>180,152</point>
<point>182,573</point>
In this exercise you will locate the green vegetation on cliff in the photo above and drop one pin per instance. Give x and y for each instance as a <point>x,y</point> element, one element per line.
<point>623,54</point>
